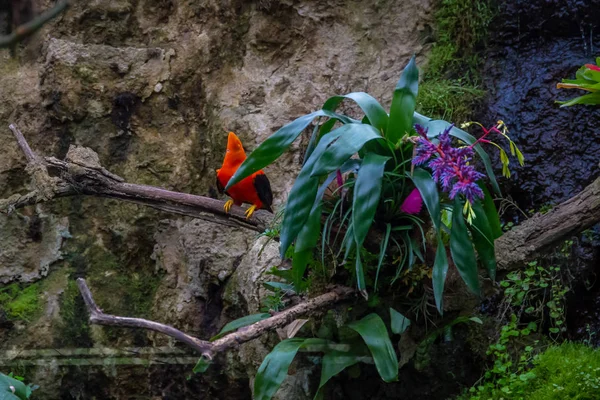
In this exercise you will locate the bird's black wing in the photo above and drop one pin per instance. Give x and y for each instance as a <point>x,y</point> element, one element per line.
<point>220,187</point>
<point>263,189</point>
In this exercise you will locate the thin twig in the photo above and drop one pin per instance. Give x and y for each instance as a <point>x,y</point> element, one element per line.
<point>29,154</point>
<point>27,29</point>
<point>210,349</point>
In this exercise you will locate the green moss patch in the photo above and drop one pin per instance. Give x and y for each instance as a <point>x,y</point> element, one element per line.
<point>20,302</point>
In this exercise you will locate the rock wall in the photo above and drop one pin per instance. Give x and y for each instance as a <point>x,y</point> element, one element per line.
<point>153,87</point>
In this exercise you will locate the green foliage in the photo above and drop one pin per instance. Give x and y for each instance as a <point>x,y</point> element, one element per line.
<point>587,78</point>
<point>567,371</point>
<point>75,328</point>
<point>14,389</point>
<point>336,356</point>
<point>20,303</point>
<point>529,296</point>
<point>374,188</point>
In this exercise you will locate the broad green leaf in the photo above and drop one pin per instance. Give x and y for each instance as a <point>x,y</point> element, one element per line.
<point>440,270</point>
<point>461,249</point>
<point>278,143</point>
<point>202,365</point>
<point>374,112</point>
<point>21,391</point>
<point>240,323</point>
<point>483,240</point>
<point>399,322</point>
<point>491,212</point>
<point>438,126</point>
<point>354,136</point>
<point>303,195</point>
<point>429,192</point>
<point>333,363</point>
<point>367,191</point>
<point>308,237</point>
<point>373,331</point>
<point>403,103</point>
<point>274,368</point>
<point>318,132</point>
<point>592,98</point>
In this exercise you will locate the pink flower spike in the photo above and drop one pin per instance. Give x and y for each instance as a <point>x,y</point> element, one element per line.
<point>413,203</point>
<point>593,67</point>
<point>340,180</point>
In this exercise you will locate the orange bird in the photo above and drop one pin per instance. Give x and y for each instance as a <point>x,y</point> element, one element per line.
<point>254,190</point>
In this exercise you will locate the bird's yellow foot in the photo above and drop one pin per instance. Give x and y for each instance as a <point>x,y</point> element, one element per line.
<point>228,205</point>
<point>250,211</point>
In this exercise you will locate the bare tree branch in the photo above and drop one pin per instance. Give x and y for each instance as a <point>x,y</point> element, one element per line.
<point>82,174</point>
<point>206,348</point>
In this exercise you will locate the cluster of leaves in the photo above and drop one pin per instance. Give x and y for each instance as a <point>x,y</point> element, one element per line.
<point>13,388</point>
<point>538,290</point>
<point>20,303</point>
<point>567,371</point>
<point>376,152</point>
<point>530,295</point>
<point>374,346</point>
<point>587,78</point>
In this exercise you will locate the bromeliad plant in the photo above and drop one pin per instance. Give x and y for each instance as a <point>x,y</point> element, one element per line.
<point>587,78</point>
<point>379,163</point>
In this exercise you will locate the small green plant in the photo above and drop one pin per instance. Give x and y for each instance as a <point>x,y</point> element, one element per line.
<point>12,388</point>
<point>20,303</point>
<point>587,78</point>
<point>567,371</point>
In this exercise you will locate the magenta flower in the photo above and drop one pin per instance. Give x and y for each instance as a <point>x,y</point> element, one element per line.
<point>413,203</point>
<point>449,165</point>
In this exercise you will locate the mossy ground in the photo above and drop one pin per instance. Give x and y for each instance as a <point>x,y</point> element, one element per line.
<point>566,371</point>
<point>450,88</point>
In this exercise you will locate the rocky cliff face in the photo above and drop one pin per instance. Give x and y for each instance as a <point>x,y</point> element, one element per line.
<point>153,87</point>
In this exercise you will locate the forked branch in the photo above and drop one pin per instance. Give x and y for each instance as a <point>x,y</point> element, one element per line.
<point>206,348</point>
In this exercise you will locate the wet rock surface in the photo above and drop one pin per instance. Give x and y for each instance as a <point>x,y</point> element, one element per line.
<point>534,45</point>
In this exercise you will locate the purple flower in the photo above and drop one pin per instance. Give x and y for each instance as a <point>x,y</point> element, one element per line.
<point>449,165</point>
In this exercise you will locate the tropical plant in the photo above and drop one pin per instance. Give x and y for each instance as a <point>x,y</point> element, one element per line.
<point>587,78</point>
<point>14,389</point>
<point>378,162</point>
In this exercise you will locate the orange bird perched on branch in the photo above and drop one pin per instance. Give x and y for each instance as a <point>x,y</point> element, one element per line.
<point>254,190</point>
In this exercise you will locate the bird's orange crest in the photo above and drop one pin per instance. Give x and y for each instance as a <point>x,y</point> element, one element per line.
<point>235,153</point>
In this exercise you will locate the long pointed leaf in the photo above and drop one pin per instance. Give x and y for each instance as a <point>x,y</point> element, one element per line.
<point>438,126</point>
<point>491,212</point>
<point>353,138</point>
<point>429,192</point>
<point>274,368</point>
<point>440,270</point>
<point>373,331</point>
<point>367,191</point>
<point>277,144</point>
<point>403,103</point>
<point>373,110</point>
<point>240,323</point>
<point>484,240</point>
<point>303,195</point>
<point>461,249</point>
